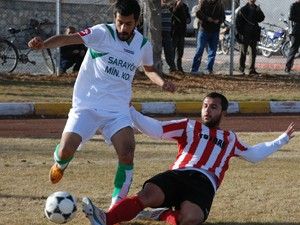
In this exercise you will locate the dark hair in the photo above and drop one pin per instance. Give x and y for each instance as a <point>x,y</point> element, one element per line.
<point>70,28</point>
<point>127,8</point>
<point>224,101</point>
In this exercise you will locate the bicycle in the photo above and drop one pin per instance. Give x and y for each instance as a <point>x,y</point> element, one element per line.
<point>11,52</point>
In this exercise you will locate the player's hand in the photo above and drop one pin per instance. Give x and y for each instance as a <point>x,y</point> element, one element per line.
<point>169,86</point>
<point>290,130</point>
<point>36,43</point>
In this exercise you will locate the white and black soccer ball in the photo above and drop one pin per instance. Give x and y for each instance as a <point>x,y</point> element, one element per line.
<point>60,207</point>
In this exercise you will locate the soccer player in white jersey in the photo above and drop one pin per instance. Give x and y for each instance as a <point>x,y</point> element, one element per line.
<point>204,151</point>
<point>102,90</point>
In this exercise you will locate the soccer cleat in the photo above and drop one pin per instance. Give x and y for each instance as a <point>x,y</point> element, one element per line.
<point>253,72</point>
<point>55,174</point>
<point>95,215</point>
<point>287,70</point>
<point>152,214</point>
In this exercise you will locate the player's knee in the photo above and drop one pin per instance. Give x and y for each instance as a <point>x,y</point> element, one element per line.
<point>191,219</point>
<point>126,153</point>
<point>191,214</point>
<point>126,156</point>
<point>151,195</point>
<point>145,198</point>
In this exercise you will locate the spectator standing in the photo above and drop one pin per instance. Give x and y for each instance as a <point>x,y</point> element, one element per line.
<point>71,55</point>
<point>295,35</point>
<point>248,33</point>
<point>181,17</point>
<point>211,14</point>
<point>166,33</point>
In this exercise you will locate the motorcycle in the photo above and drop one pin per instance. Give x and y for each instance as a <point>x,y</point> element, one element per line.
<point>275,39</point>
<point>225,39</point>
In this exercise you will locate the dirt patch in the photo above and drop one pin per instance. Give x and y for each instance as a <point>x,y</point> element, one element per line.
<point>183,81</point>
<point>52,128</point>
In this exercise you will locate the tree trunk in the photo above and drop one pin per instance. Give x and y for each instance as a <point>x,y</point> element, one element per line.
<point>153,9</point>
<point>227,4</point>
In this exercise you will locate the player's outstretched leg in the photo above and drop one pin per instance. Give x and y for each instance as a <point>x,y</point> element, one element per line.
<point>124,210</point>
<point>57,170</point>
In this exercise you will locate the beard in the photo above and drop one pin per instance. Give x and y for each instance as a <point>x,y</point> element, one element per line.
<point>124,36</point>
<point>213,123</point>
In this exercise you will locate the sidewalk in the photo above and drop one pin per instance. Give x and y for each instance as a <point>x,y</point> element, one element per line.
<point>160,108</point>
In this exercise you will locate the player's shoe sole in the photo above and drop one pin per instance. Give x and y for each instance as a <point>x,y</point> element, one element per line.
<point>152,214</point>
<point>55,174</point>
<point>94,214</point>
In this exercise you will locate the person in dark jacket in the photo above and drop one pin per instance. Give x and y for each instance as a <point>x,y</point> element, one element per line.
<point>211,15</point>
<point>248,32</point>
<point>295,35</point>
<point>71,55</point>
<point>181,17</point>
<point>166,34</point>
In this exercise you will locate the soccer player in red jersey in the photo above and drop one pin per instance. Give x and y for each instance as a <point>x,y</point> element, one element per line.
<point>184,194</point>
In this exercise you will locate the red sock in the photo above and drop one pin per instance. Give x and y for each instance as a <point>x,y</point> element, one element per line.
<point>170,217</point>
<point>125,210</point>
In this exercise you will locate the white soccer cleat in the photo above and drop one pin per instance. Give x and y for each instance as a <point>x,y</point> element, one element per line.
<point>95,215</point>
<point>152,214</point>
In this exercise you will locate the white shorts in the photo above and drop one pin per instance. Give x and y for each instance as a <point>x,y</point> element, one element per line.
<point>85,122</point>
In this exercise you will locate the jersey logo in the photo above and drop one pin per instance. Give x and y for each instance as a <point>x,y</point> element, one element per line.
<point>85,32</point>
<point>129,51</point>
<point>95,54</point>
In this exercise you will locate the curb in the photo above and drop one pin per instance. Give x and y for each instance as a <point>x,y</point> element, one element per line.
<point>161,108</point>
<point>276,66</point>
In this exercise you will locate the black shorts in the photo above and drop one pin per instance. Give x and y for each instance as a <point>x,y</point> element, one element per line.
<point>179,186</point>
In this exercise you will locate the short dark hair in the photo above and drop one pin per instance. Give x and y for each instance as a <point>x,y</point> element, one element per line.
<point>224,101</point>
<point>127,8</point>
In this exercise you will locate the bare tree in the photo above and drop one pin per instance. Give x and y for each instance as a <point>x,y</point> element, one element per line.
<point>228,4</point>
<point>153,20</point>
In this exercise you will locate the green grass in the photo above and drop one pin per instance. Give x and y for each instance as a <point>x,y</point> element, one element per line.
<point>258,194</point>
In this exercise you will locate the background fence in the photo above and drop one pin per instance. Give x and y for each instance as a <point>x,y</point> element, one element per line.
<point>82,14</point>
<point>275,11</point>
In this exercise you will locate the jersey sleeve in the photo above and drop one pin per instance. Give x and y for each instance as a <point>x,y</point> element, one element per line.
<point>260,151</point>
<point>239,146</point>
<point>174,129</point>
<point>170,130</point>
<point>147,57</point>
<point>93,36</point>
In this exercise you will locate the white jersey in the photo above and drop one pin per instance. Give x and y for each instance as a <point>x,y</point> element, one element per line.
<point>105,77</point>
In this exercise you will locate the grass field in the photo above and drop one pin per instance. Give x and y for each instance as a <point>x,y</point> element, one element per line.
<point>263,194</point>
<point>257,194</point>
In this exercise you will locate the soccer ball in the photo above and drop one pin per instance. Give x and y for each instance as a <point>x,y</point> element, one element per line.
<point>60,207</point>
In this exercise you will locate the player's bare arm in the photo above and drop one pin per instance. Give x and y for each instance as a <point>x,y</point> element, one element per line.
<point>38,43</point>
<point>153,75</point>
